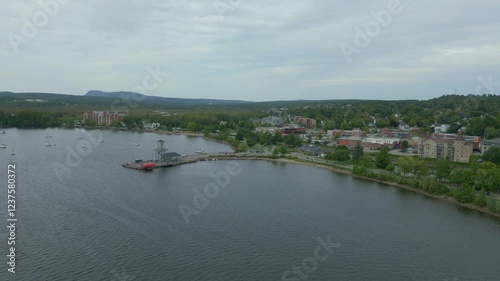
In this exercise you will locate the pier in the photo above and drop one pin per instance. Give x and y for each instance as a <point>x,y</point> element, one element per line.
<point>143,165</point>
<point>186,159</point>
<point>165,159</point>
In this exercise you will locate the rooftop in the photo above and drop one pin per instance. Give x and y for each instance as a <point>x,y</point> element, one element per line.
<point>492,141</point>
<point>172,154</point>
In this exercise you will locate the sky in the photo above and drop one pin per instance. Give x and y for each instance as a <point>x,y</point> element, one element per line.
<point>253,50</point>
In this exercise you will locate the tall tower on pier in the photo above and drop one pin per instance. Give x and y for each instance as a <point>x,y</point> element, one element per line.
<point>160,151</point>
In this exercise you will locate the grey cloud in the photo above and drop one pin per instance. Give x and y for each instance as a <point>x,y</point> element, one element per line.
<point>257,50</point>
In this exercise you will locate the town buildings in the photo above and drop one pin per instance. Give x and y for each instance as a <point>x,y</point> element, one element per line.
<point>487,144</point>
<point>103,117</point>
<point>273,120</point>
<point>356,132</point>
<point>372,143</point>
<point>308,122</point>
<point>293,130</point>
<point>445,146</point>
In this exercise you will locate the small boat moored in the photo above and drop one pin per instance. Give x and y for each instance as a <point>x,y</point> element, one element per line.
<point>148,166</point>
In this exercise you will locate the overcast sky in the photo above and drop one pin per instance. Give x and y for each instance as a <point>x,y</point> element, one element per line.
<point>252,49</point>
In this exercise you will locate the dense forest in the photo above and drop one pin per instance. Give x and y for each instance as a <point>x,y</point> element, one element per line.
<point>480,115</point>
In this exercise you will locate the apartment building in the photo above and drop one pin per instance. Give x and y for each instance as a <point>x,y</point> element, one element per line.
<point>445,146</point>
<point>102,117</point>
<point>486,144</point>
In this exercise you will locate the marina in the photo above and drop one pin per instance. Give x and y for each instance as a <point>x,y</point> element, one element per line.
<point>165,159</point>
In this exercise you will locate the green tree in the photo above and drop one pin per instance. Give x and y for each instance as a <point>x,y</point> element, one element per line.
<point>240,135</point>
<point>492,155</point>
<point>404,166</point>
<point>488,179</point>
<point>191,127</point>
<point>420,167</point>
<point>437,187</point>
<point>474,162</point>
<point>365,161</point>
<point>251,139</point>
<point>462,177</point>
<point>443,170</point>
<point>405,145</point>
<point>465,194</point>
<point>283,149</point>
<point>293,140</point>
<point>382,160</point>
<point>357,152</point>
<point>359,170</point>
<point>341,154</point>
<point>488,166</point>
<point>481,200</point>
<point>265,139</point>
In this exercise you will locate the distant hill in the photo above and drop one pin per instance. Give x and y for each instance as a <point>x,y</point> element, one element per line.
<point>161,100</point>
<point>104,100</point>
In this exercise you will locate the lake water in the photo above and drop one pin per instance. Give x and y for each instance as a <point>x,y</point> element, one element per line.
<point>95,220</point>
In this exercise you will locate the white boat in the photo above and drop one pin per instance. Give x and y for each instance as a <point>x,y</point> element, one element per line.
<point>48,136</point>
<point>83,145</point>
<point>47,143</point>
<point>200,151</point>
<point>101,141</point>
<point>80,137</point>
<point>13,151</point>
<point>2,145</point>
<point>136,144</point>
<point>2,132</point>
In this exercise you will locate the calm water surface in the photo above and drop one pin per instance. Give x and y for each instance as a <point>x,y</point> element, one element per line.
<point>100,221</point>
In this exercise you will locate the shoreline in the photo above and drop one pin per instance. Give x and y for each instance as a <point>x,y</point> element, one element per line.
<point>445,198</point>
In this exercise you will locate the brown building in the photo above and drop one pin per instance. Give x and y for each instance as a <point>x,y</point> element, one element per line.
<point>308,122</point>
<point>356,132</point>
<point>351,143</point>
<point>293,130</point>
<point>443,146</point>
<point>102,117</point>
